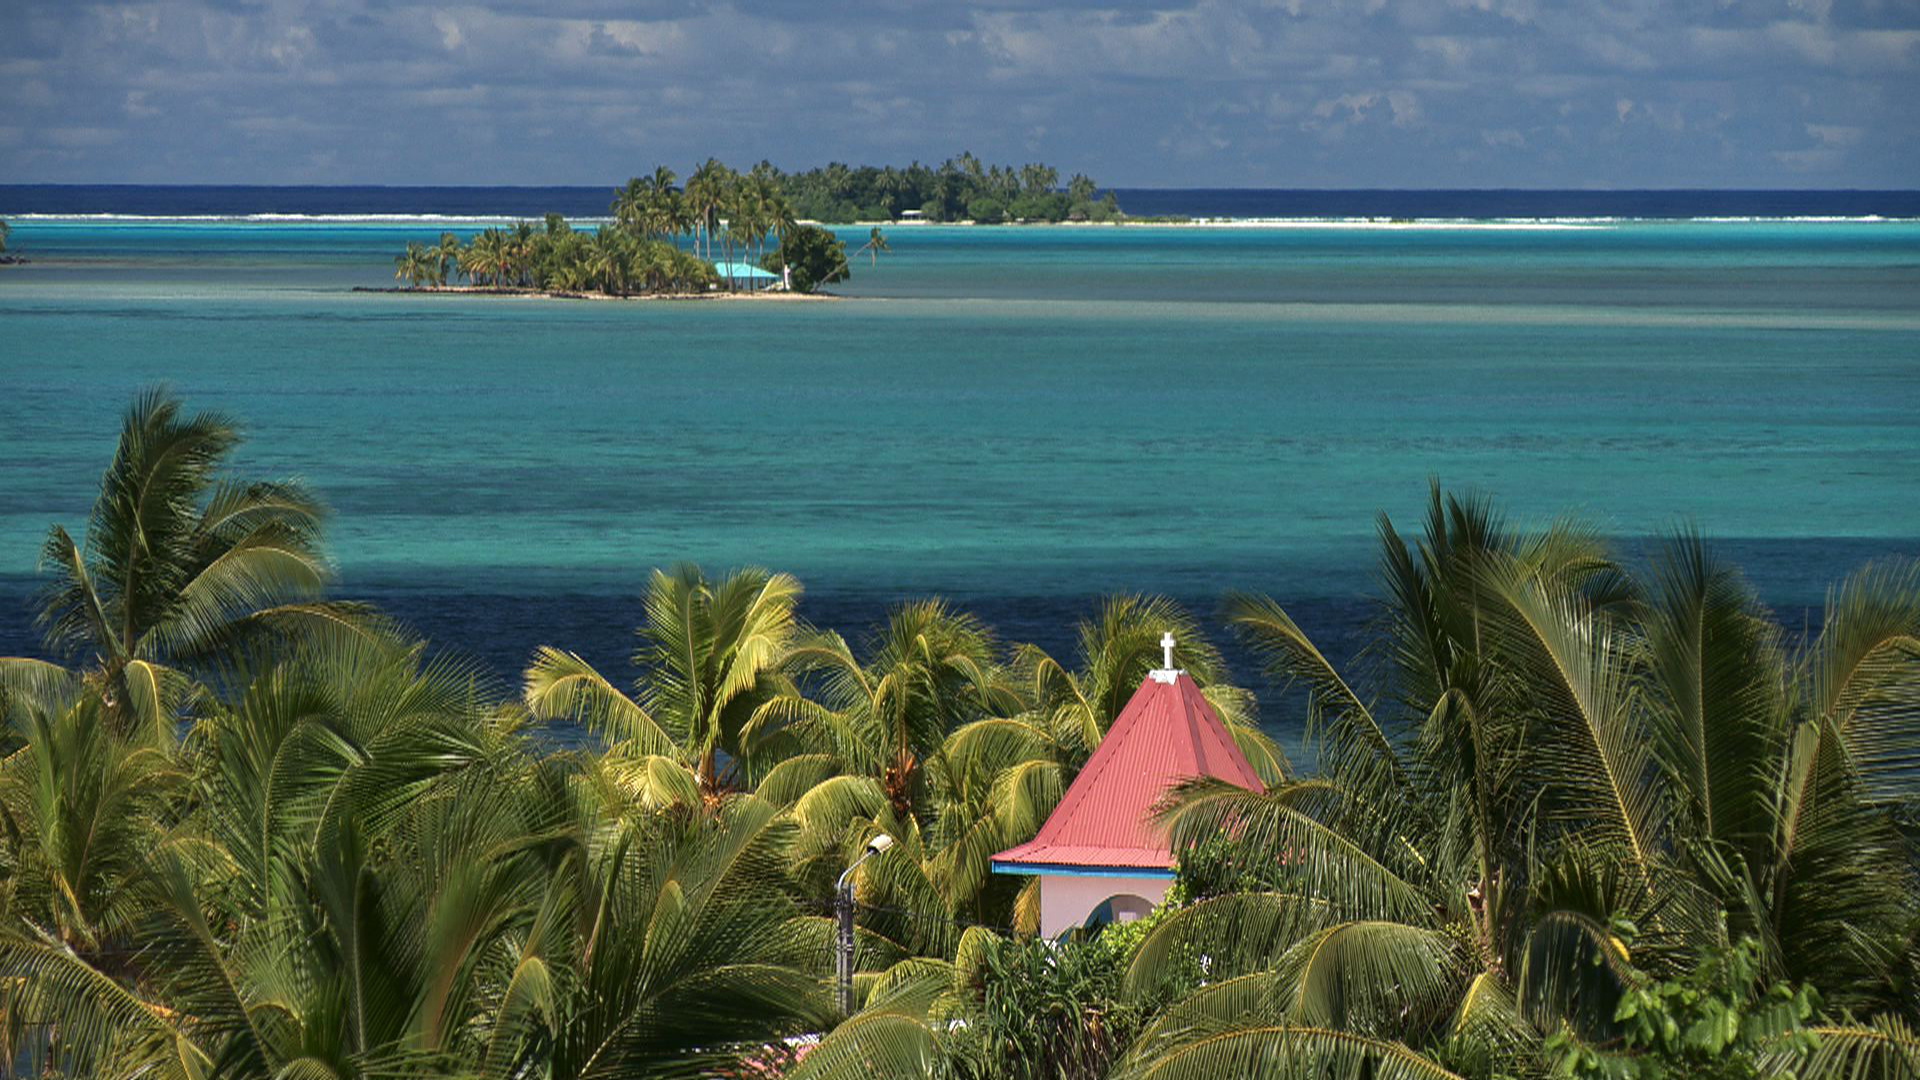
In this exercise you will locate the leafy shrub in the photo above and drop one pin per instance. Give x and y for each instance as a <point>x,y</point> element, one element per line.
<point>1719,1022</point>
<point>816,256</point>
<point>1047,1011</point>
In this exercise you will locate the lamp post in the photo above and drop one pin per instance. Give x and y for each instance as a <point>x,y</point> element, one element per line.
<point>843,907</point>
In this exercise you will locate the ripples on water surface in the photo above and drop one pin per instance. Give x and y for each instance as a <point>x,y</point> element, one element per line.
<point>1024,419</point>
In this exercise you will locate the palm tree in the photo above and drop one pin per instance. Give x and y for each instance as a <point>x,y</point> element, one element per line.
<point>712,653</point>
<point>876,243</point>
<point>751,202</point>
<point>522,248</point>
<point>608,260</point>
<point>180,563</point>
<point>85,807</point>
<point>699,970</point>
<point>339,735</point>
<point>1567,784</point>
<point>418,266</point>
<point>5,231</point>
<point>781,219</point>
<point>1038,179</point>
<point>380,880</point>
<point>932,670</point>
<point>659,216</point>
<point>480,260</point>
<point>667,216</point>
<point>1560,749</point>
<point>447,258</point>
<point>629,203</point>
<point>706,195</point>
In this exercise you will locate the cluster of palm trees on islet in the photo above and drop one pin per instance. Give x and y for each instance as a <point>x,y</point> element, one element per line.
<point>719,215</point>
<point>558,258</point>
<point>256,832</point>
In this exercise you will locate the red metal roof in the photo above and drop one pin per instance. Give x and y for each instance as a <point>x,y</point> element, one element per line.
<point>1167,733</point>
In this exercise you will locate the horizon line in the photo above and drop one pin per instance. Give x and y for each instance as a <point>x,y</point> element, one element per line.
<point>1116,187</point>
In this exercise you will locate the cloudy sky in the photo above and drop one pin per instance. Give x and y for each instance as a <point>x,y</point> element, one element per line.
<point>1296,93</point>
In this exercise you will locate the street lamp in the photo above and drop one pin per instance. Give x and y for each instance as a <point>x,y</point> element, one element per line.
<point>843,906</point>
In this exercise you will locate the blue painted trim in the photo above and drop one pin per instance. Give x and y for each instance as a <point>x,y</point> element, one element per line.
<point>1063,870</point>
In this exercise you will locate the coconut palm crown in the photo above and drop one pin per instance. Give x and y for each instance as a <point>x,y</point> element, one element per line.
<point>180,562</point>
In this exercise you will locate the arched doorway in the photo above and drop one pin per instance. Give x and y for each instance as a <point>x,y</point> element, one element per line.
<point>1120,908</point>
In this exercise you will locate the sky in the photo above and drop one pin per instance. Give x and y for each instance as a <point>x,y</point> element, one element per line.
<point>1277,93</point>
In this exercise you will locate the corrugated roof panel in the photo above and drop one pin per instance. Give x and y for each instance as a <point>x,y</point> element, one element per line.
<point>1166,734</point>
<point>744,271</point>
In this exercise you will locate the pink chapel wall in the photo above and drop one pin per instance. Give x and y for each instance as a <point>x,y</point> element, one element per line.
<point>1067,899</point>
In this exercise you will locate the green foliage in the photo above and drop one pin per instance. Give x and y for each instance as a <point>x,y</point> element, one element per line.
<point>1045,1011</point>
<point>987,209</point>
<point>959,188</point>
<point>724,215</point>
<point>614,260</point>
<point>181,563</point>
<point>1719,1022</point>
<point>1217,866</point>
<point>1556,751</point>
<point>815,255</point>
<point>256,833</point>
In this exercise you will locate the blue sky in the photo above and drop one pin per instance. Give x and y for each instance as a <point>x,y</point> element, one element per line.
<point>1283,93</point>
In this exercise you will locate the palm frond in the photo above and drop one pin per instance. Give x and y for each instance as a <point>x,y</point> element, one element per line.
<point>562,686</point>
<point>1227,936</point>
<point>1354,740</point>
<point>869,1045</point>
<point>1865,677</point>
<point>1294,846</point>
<point>1372,977</point>
<point>269,566</point>
<point>1574,970</point>
<point>52,985</point>
<point>29,683</point>
<point>1592,760</point>
<point>1286,1052</point>
<point>1720,720</point>
<point>72,611</point>
<point>1488,1017</point>
<point>1884,1049</point>
<point>1222,1004</point>
<point>785,783</point>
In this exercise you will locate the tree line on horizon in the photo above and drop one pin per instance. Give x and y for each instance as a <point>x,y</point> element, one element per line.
<point>961,188</point>
<point>1574,821</point>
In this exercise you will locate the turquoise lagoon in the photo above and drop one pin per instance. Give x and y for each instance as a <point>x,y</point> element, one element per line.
<point>1023,419</point>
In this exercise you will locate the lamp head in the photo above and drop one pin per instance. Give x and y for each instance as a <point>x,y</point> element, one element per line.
<point>879,843</point>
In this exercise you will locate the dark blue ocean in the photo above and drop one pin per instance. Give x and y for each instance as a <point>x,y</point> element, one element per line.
<point>1023,419</point>
<point>175,201</point>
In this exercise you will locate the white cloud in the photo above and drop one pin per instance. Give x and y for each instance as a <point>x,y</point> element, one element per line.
<point>1290,92</point>
<point>76,138</point>
<point>1807,160</point>
<point>1405,107</point>
<point>451,35</point>
<point>1837,136</point>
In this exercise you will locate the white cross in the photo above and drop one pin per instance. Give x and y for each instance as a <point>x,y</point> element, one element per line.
<point>1166,646</point>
